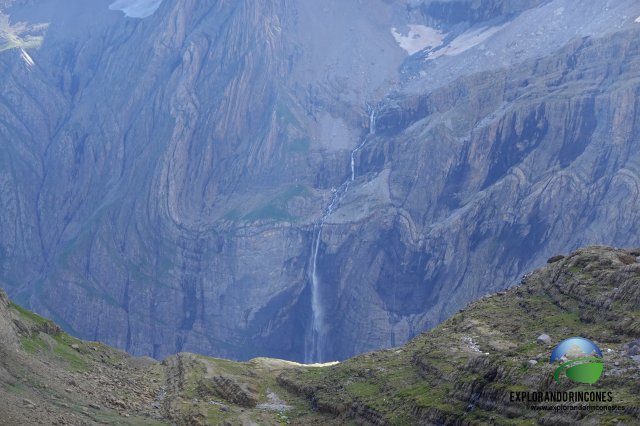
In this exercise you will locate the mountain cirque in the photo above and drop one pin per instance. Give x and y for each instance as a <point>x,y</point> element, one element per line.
<point>162,178</point>
<point>461,372</point>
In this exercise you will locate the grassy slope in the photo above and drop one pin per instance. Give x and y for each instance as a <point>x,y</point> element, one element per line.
<point>462,372</point>
<point>55,378</point>
<point>459,373</point>
<point>51,377</point>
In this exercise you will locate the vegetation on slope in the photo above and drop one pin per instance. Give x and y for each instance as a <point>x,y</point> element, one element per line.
<point>463,372</point>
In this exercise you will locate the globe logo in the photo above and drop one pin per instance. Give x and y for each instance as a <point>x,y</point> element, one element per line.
<point>580,358</point>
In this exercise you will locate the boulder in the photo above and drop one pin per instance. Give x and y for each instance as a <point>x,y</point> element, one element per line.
<point>544,339</point>
<point>633,348</point>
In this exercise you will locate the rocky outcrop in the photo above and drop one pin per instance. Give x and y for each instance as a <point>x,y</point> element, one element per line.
<point>467,370</point>
<point>16,323</point>
<point>8,336</point>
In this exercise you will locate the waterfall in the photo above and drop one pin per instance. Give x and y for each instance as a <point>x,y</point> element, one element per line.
<point>314,344</point>
<point>372,131</point>
<point>313,353</point>
<point>372,120</point>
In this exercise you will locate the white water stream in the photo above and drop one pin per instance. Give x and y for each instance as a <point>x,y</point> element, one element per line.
<point>315,342</point>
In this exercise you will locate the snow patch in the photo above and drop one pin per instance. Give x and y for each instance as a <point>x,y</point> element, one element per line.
<point>136,8</point>
<point>418,38</point>
<point>466,41</point>
<point>638,19</point>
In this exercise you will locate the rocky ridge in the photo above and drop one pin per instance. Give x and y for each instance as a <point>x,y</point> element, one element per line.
<point>462,372</point>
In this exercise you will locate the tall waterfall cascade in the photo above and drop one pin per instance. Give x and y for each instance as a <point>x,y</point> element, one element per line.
<point>315,342</point>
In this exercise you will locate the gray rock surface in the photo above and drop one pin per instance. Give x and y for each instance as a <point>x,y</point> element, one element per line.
<point>633,348</point>
<point>543,339</point>
<point>161,178</point>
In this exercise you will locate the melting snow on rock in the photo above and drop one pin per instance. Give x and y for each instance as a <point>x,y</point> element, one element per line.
<point>136,8</point>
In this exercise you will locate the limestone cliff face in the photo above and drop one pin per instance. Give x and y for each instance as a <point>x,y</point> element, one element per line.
<point>162,178</point>
<point>512,166</point>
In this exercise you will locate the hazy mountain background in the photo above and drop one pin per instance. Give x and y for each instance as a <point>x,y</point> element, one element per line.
<point>300,179</point>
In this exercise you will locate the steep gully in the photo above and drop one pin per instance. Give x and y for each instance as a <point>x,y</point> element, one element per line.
<point>314,344</point>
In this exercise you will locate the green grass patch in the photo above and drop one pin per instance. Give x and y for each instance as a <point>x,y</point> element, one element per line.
<point>431,396</point>
<point>16,388</point>
<point>528,348</point>
<point>226,366</point>
<point>63,350</point>
<point>561,320</point>
<point>28,315</point>
<point>445,365</point>
<point>508,387</point>
<point>363,389</point>
<point>416,391</point>
<point>269,212</point>
<point>34,344</point>
<point>276,209</point>
<point>215,416</point>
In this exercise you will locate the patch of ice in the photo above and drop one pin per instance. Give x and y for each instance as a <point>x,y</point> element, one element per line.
<point>466,41</point>
<point>418,38</point>
<point>136,8</point>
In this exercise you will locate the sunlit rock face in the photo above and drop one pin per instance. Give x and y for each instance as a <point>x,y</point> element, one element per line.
<point>163,179</point>
<point>136,8</point>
